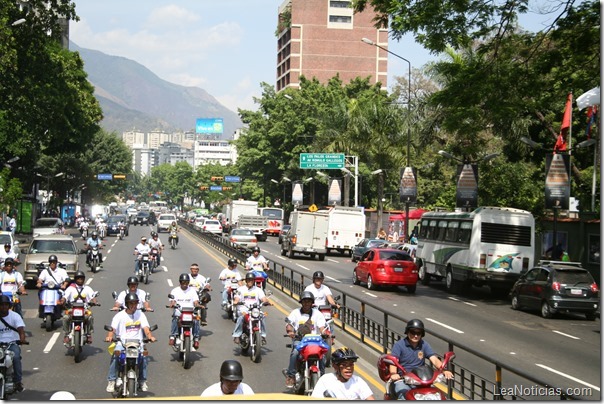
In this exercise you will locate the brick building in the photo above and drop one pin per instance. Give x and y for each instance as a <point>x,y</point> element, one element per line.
<point>322,38</point>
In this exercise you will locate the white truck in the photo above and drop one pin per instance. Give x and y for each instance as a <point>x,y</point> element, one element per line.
<point>307,235</point>
<point>345,228</point>
<point>256,223</point>
<point>236,208</point>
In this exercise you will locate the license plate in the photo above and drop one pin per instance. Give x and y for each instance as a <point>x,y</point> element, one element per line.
<point>398,269</point>
<point>309,249</point>
<point>576,291</point>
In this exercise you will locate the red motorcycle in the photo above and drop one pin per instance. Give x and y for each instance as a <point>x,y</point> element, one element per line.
<point>422,378</point>
<point>311,349</point>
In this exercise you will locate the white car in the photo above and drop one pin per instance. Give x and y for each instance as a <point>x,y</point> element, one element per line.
<point>164,221</point>
<point>212,226</point>
<point>47,225</point>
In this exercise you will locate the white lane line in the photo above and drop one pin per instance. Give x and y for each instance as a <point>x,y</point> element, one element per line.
<point>170,283</point>
<point>574,379</point>
<point>458,300</point>
<point>89,280</point>
<point>370,294</point>
<point>454,299</point>
<point>51,342</point>
<point>165,268</point>
<point>444,325</point>
<point>301,266</point>
<point>333,279</point>
<point>566,335</point>
<point>470,304</point>
<point>329,259</point>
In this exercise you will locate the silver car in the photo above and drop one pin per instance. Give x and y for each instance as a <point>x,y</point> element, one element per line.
<point>41,247</point>
<point>243,238</point>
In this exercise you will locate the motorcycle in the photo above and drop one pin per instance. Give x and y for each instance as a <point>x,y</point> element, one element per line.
<point>172,240</point>
<point>251,340</point>
<point>94,260</point>
<point>122,232</point>
<point>260,278</point>
<point>7,385</point>
<point>154,259</point>
<point>84,231</point>
<point>229,307</point>
<point>77,330</point>
<point>144,268</point>
<point>311,349</point>
<point>102,231</point>
<point>49,308</point>
<point>128,364</point>
<point>183,343</point>
<point>422,378</point>
<point>329,312</point>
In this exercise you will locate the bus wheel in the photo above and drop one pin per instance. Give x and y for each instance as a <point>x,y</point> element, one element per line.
<point>423,276</point>
<point>450,283</point>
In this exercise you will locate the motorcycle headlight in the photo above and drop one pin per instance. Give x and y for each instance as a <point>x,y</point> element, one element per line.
<point>255,312</point>
<point>51,284</point>
<point>187,317</point>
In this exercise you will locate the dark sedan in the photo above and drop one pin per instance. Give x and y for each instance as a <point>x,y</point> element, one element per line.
<point>141,218</point>
<point>112,227</point>
<point>554,287</point>
<point>364,245</point>
<point>283,231</point>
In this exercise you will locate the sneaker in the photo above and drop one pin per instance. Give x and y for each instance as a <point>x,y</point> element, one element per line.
<point>204,323</point>
<point>289,382</point>
<point>18,387</point>
<point>236,340</point>
<point>171,341</point>
<point>110,386</point>
<point>196,344</point>
<point>263,340</point>
<point>143,386</point>
<point>89,339</point>
<point>66,339</point>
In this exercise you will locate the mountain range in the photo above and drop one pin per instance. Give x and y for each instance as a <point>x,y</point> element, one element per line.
<point>134,98</point>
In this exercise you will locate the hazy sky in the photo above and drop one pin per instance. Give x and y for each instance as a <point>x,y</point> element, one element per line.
<point>226,47</point>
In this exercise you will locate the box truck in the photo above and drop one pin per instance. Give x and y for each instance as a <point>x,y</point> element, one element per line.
<point>345,228</point>
<point>307,235</point>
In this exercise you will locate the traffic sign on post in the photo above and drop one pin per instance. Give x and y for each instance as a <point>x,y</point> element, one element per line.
<point>104,177</point>
<point>216,188</point>
<point>327,161</point>
<point>232,178</point>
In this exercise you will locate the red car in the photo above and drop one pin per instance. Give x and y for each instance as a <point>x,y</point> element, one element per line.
<point>386,267</point>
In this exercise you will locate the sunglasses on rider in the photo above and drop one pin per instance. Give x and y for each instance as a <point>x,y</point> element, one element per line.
<point>415,332</point>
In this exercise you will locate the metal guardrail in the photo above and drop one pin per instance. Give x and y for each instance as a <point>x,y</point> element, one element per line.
<point>379,336</point>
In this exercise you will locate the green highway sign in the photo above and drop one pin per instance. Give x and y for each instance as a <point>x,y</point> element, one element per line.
<point>326,161</point>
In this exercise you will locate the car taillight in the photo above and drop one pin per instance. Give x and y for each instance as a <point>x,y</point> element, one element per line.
<point>556,286</point>
<point>380,268</point>
<point>233,240</point>
<point>594,287</point>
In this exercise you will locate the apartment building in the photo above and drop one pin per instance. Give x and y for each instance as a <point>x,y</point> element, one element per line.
<point>322,38</point>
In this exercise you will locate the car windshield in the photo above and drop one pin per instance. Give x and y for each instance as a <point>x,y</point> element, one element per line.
<point>113,219</point>
<point>375,243</point>
<point>52,246</point>
<point>167,217</point>
<point>213,222</point>
<point>574,277</point>
<point>5,238</point>
<point>394,256</point>
<point>47,222</point>
<point>143,213</point>
<point>242,233</point>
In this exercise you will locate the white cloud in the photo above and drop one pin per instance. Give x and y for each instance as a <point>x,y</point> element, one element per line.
<point>171,15</point>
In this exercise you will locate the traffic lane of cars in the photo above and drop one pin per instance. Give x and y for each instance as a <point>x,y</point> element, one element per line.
<point>482,320</point>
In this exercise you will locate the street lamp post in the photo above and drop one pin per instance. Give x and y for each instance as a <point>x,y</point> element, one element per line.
<point>380,173</point>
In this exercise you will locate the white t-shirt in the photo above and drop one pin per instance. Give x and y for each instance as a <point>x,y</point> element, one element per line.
<point>143,248</point>
<point>215,390</point>
<point>227,275</point>
<point>354,389</point>
<point>59,275</point>
<point>15,320</point>
<point>186,298</point>
<point>249,296</point>
<point>319,294</point>
<point>198,282</point>
<point>71,293</point>
<point>128,326</point>
<point>296,318</point>
<point>10,283</point>
<point>255,263</point>
<point>155,243</point>
<point>142,297</point>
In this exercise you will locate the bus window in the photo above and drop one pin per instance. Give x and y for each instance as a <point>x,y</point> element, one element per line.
<point>423,230</point>
<point>452,231</point>
<point>465,232</point>
<point>432,230</point>
<point>442,229</point>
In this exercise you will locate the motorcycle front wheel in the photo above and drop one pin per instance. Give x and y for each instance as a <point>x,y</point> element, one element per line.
<point>131,388</point>
<point>48,322</point>
<point>186,362</point>
<point>255,354</point>
<point>77,346</point>
<point>314,378</point>
<point>95,265</point>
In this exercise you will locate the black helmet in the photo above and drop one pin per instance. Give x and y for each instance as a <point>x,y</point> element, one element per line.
<point>232,262</point>
<point>131,297</point>
<point>255,249</point>
<point>184,278</point>
<point>5,299</point>
<point>307,295</point>
<point>79,274</point>
<point>9,260</point>
<point>318,274</point>
<point>94,234</point>
<point>53,258</point>
<point>415,323</point>
<point>153,234</point>
<point>249,276</point>
<point>132,279</point>
<point>7,245</point>
<point>231,370</point>
<point>344,354</point>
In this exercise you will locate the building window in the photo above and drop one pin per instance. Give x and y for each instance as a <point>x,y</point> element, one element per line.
<point>339,4</point>
<point>340,18</point>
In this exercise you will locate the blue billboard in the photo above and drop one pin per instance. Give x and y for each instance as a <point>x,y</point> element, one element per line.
<point>209,125</point>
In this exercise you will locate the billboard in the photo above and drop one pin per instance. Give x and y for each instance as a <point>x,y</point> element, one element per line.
<point>408,185</point>
<point>557,181</point>
<point>334,195</point>
<point>209,125</point>
<point>466,195</point>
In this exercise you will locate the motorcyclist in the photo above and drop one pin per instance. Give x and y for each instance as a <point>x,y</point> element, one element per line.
<point>302,321</point>
<point>53,273</point>
<point>143,297</point>
<point>130,323</point>
<point>231,375</point>
<point>250,294</point>
<point>156,243</point>
<point>121,225</point>
<point>343,384</point>
<point>11,283</point>
<point>12,331</point>
<point>226,276</point>
<point>202,287</point>
<point>101,226</point>
<point>7,252</point>
<point>139,250</point>
<point>174,229</point>
<point>411,353</point>
<point>184,295</point>
<point>83,225</point>
<point>93,241</point>
<point>77,291</point>
<point>257,262</point>
<point>321,292</point>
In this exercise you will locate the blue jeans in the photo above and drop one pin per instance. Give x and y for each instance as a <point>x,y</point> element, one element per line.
<point>401,388</point>
<point>293,358</point>
<point>142,368</point>
<point>174,329</point>
<point>239,327</point>
<point>17,369</point>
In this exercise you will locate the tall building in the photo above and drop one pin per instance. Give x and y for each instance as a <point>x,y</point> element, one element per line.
<point>322,38</point>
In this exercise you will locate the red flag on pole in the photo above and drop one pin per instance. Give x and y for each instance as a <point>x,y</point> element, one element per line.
<point>561,143</point>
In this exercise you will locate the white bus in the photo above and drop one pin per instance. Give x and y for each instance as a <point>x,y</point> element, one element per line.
<point>158,206</point>
<point>275,222</point>
<point>489,246</point>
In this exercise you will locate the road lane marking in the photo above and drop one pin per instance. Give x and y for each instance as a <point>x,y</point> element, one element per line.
<point>446,326</point>
<point>51,342</point>
<point>333,279</point>
<point>170,283</point>
<point>574,379</point>
<point>89,280</point>
<point>332,260</point>
<point>461,301</point>
<point>566,335</point>
<point>302,266</point>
